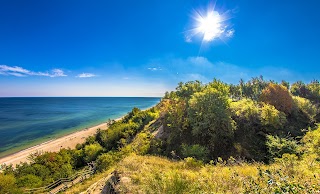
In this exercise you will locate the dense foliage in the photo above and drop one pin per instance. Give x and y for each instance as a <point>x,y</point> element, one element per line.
<point>249,120</point>
<point>278,96</point>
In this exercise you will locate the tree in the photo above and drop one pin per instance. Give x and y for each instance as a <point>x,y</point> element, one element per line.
<point>245,108</point>
<point>285,84</point>
<point>92,151</point>
<point>306,107</point>
<point>253,88</point>
<point>130,114</point>
<point>257,85</point>
<point>177,124</point>
<point>299,89</point>
<point>271,117</point>
<point>314,88</point>
<point>59,164</point>
<point>235,92</point>
<point>8,184</point>
<point>310,91</point>
<point>278,96</point>
<point>185,90</point>
<point>210,117</point>
<point>248,141</point>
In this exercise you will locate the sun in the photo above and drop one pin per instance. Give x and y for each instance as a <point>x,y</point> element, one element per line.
<point>210,25</point>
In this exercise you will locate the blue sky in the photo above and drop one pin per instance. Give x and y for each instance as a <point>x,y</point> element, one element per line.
<point>144,48</point>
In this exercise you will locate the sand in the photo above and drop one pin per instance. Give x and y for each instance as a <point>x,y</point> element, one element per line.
<point>68,141</point>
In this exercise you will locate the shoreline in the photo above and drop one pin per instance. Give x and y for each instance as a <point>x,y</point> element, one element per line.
<point>54,145</point>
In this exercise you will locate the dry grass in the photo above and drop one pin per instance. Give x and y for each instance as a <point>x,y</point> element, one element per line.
<point>150,174</point>
<point>154,174</point>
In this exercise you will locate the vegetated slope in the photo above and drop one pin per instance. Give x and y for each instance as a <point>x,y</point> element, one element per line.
<point>249,136</point>
<point>105,148</point>
<point>151,174</point>
<point>252,137</point>
<point>140,173</point>
<point>256,121</point>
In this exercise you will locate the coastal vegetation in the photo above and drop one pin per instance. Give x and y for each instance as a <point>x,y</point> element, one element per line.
<point>47,167</point>
<point>253,137</point>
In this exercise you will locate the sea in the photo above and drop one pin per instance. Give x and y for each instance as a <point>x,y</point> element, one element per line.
<point>28,121</point>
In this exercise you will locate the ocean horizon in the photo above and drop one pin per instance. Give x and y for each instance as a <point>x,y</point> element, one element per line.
<point>29,121</point>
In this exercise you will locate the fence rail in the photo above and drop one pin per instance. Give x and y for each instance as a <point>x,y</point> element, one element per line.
<point>62,183</point>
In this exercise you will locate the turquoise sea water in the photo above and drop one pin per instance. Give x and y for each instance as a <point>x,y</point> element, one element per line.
<point>29,121</point>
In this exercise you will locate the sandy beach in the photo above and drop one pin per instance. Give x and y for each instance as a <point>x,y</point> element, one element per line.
<point>68,141</point>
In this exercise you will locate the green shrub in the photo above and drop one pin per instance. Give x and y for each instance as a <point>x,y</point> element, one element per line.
<point>197,151</point>
<point>8,184</point>
<point>311,142</point>
<point>314,88</point>
<point>278,146</point>
<point>65,171</point>
<point>191,162</point>
<point>91,151</point>
<point>106,160</point>
<point>272,118</point>
<point>141,143</point>
<point>90,140</point>
<point>306,107</point>
<point>157,146</point>
<point>78,158</point>
<point>30,181</point>
<point>245,108</point>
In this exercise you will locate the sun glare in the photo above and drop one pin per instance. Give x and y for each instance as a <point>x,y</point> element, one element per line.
<point>210,25</point>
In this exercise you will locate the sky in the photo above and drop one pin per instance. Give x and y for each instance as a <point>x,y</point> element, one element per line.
<point>146,47</point>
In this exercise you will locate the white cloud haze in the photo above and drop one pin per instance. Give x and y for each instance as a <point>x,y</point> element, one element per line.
<point>86,75</point>
<point>202,69</point>
<point>230,33</point>
<point>154,68</point>
<point>21,72</point>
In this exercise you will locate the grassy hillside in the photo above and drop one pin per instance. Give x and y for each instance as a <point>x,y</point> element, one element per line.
<point>150,174</point>
<point>140,173</point>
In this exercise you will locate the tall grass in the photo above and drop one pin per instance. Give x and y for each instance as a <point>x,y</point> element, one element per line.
<point>150,174</point>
